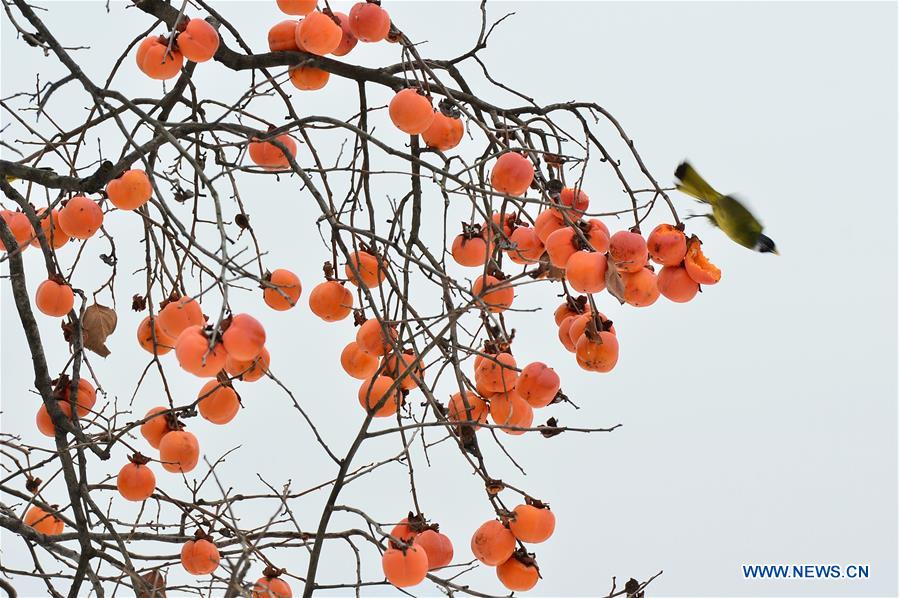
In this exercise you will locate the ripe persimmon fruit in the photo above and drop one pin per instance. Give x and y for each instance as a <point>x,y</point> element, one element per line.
<point>437,546</point>
<point>598,354</point>
<point>575,199</point>
<point>53,233</point>
<point>156,426</point>
<point>512,174</point>
<point>200,556</point>
<point>528,248</point>
<point>698,266</point>
<point>445,132</point>
<point>538,384</point>
<point>667,245</point>
<point>348,41</point>
<point>496,294</point>
<point>586,271</point>
<point>269,156</point>
<point>492,543</point>
<point>411,111</point>
<point>130,190</point>
<point>308,78</point>
<point>218,402</point>
<point>179,451</point>
<point>400,367</point>
<point>508,409</point>
<point>286,291</point>
<point>271,587</point>
<point>372,338</point>
<point>156,61</point>
<point>675,284</point>
<point>146,330</point>
<point>43,522</point>
<point>297,7</point>
<point>628,251</point>
<point>199,41</point>
<point>45,423</point>
<point>19,226</point>
<point>81,217</point>
<point>249,370</point>
<point>548,221</point>
<point>371,271</point>
<point>244,337</point>
<point>369,22</point>
<point>331,301</point>
<point>358,363</point>
<point>470,251</point>
<point>86,397</point>
<point>176,316</point>
<point>518,574</point>
<point>641,288</point>
<point>54,297</point>
<point>496,373</point>
<point>195,354</point>
<point>318,34</point>
<point>532,523</point>
<point>136,482</point>
<point>475,414</point>
<point>405,567</point>
<point>376,390</point>
<point>282,37</point>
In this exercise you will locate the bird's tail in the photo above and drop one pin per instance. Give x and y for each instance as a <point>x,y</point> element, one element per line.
<point>689,182</point>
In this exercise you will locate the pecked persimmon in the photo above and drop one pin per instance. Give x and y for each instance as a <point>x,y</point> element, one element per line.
<point>517,575</point>
<point>286,290</point>
<point>548,221</point>
<point>470,251</point>
<point>576,200</point>
<point>698,265</point>
<point>200,556</point>
<point>271,587</point>
<point>81,217</point>
<point>56,237</point>
<point>509,409</point>
<point>195,354</point>
<point>401,368</point>
<point>676,285</point>
<point>331,301</point>
<point>43,522</point>
<point>475,414</point>
<point>586,271</point>
<point>497,373</point>
<point>176,316</point>
<point>496,294</point>
<point>297,7</point>
<point>282,37</point>
<point>348,41</point>
<point>405,567</point>
<point>20,228</point>
<point>249,370</point>
<point>377,389</point>
<point>357,363</point>
<point>628,251</point>
<point>532,523</point>
<point>130,190</point>
<point>528,248</point>
<point>641,288</point>
<point>537,384</point>
<point>271,157</point>
<point>375,338</point>
<point>244,337</point>
<point>156,426</point>
<point>308,78</point>
<point>218,403</point>
<point>512,174</point>
<point>369,22</point>
<point>136,482</point>
<point>318,34</point>
<point>156,61</point>
<point>199,41</point>
<point>492,543</point>
<point>411,111</point>
<point>598,354</point>
<point>54,297</point>
<point>371,271</point>
<point>445,132</point>
<point>667,245</point>
<point>179,451</point>
<point>437,546</point>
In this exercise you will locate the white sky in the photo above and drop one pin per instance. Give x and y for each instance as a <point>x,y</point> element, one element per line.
<point>759,419</point>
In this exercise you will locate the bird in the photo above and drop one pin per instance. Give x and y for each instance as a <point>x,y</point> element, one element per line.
<point>728,213</point>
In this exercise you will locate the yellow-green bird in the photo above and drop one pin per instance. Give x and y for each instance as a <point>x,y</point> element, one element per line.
<point>728,214</point>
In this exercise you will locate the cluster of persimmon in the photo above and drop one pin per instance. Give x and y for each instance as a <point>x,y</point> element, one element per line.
<point>495,542</point>
<point>160,57</point>
<point>415,547</point>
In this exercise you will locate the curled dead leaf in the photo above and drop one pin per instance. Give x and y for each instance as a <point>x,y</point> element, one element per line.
<point>614,283</point>
<point>97,324</point>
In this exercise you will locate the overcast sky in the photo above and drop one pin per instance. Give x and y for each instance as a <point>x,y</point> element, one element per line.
<point>759,420</point>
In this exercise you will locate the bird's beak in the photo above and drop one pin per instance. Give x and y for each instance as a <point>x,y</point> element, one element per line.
<point>775,252</point>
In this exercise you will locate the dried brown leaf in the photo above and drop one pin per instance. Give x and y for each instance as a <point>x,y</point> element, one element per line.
<point>614,283</point>
<point>97,324</point>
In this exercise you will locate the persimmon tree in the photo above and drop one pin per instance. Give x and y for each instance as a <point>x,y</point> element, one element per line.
<point>428,326</point>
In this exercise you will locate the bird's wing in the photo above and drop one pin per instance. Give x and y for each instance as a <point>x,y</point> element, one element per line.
<point>690,182</point>
<point>736,221</point>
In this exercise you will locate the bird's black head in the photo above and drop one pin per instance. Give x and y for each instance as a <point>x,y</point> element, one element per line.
<point>765,245</point>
